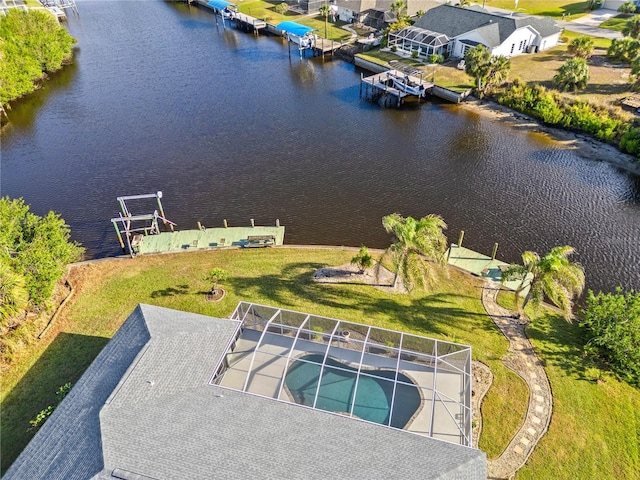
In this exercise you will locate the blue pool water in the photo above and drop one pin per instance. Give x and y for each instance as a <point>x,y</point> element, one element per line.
<point>337,388</point>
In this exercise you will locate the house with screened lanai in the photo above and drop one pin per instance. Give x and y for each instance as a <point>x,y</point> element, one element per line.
<point>451,31</point>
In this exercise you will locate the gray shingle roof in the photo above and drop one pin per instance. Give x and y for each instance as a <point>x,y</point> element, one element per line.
<point>145,409</point>
<point>455,21</point>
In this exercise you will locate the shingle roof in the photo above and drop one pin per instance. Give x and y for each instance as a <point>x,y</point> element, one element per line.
<point>145,409</point>
<point>455,21</point>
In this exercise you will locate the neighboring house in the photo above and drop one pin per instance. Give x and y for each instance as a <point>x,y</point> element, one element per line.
<point>149,407</point>
<point>616,4</point>
<point>451,31</point>
<point>377,13</point>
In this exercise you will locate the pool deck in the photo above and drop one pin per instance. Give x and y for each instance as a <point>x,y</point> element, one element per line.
<point>481,266</point>
<point>271,360</point>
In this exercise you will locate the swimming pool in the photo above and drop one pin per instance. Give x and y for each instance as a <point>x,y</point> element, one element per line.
<point>373,397</point>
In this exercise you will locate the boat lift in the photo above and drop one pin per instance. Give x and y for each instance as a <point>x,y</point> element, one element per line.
<point>124,223</point>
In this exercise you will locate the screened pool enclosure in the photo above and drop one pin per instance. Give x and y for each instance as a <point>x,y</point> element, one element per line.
<point>423,41</point>
<point>391,378</point>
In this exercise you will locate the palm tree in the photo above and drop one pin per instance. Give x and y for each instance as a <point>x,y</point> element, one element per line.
<point>324,11</point>
<point>418,245</point>
<point>572,74</point>
<point>13,294</point>
<point>581,46</point>
<point>397,7</point>
<point>552,275</point>
<point>632,28</point>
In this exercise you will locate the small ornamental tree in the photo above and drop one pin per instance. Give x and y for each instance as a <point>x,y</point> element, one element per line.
<point>572,75</point>
<point>282,8</point>
<point>612,321</point>
<point>216,276</point>
<point>363,259</point>
<point>581,47</point>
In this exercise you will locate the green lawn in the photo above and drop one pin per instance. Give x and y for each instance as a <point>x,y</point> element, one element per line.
<point>594,429</point>
<point>552,8</point>
<point>266,11</point>
<point>616,23</point>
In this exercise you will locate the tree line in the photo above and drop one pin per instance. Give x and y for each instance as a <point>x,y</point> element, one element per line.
<point>34,254</point>
<point>32,44</point>
<point>548,105</point>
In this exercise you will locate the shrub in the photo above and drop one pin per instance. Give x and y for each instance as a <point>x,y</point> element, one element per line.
<point>363,259</point>
<point>613,322</point>
<point>436,58</point>
<point>415,54</point>
<point>45,413</point>
<point>632,28</point>
<point>37,248</point>
<point>630,141</point>
<point>627,8</point>
<point>281,8</point>
<point>33,43</point>
<point>624,49</point>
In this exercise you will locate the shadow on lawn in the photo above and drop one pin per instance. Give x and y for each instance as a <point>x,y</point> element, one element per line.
<point>559,343</point>
<point>429,314</point>
<point>171,291</point>
<point>64,360</point>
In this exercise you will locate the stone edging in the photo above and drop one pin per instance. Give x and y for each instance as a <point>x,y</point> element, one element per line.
<point>521,359</point>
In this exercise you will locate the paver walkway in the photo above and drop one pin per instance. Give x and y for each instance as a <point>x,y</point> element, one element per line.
<point>522,359</point>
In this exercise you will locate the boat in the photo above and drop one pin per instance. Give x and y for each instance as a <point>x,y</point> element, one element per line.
<point>404,84</point>
<point>305,41</point>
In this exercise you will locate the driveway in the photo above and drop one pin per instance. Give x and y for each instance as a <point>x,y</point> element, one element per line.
<point>589,24</point>
<point>586,25</point>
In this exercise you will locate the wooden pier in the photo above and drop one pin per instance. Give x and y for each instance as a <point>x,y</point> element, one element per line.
<point>381,87</point>
<point>321,46</point>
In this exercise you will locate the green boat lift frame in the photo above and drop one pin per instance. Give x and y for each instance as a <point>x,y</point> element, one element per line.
<point>124,223</point>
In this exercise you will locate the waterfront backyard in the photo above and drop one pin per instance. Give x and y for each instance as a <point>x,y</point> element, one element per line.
<point>594,428</point>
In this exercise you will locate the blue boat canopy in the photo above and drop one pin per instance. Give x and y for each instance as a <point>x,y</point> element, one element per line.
<point>293,28</point>
<point>220,4</point>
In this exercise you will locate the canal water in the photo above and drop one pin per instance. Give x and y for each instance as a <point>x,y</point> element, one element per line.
<point>227,125</point>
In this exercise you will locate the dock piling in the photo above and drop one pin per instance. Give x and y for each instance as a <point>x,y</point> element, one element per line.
<point>460,238</point>
<point>495,250</point>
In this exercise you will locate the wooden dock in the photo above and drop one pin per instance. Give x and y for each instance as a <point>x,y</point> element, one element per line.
<point>482,266</point>
<point>322,46</point>
<point>208,239</point>
<point>380,87</point>
<point>248,23</point>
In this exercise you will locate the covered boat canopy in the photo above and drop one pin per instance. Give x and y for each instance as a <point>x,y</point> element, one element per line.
<point>220,4</point>
<point>292,28</point>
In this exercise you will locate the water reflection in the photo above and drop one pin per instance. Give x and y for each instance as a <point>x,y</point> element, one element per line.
<point>228,126</point>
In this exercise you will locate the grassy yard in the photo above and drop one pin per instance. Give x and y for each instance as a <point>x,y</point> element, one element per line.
<point>551,8</point>
<point>606,84</point>
<point>266,11</point>
<point>594,429</point>
<point>616,23</point>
